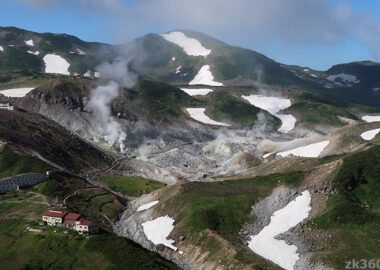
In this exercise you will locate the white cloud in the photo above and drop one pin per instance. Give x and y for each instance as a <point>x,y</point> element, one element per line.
<point>245,21</point>
<point>87,5</point>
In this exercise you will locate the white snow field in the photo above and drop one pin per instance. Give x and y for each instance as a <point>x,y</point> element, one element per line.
<point>197,92</point>
<point>346,78</point>
<point>371,118</point>
<point>35,53</point>
<point>311,150</point>
<point>281,221</point>
<point>199,115</point>
<point>158,230</point>
<point>147,206</point>
<point>274,105</point>
<point>16,92</point>
<point>191,46</point>
<point>56,64</point>
<point>29,42</point>
<point>369,135</point>
<point>288,122</point>
<point>205,77</point>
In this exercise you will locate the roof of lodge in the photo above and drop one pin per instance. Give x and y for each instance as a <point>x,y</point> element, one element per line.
<point>55,213</point>
<point>85,222</point>
<point>72,216</point>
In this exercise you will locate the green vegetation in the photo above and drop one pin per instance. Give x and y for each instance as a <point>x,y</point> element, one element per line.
<point>131,186</point>
<point>96,203</point>
<point>313,110</point>
<point>17,59</point>
<point>164,94</point>
<point>61,185</point>
<point>354,212</point>
<point>224,207</point>
<point>12,164</point>
<point>225,107</point>
<point>55,249</point>
<point>232,62</point>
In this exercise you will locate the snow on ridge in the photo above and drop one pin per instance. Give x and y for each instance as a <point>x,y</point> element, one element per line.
<point>270,104</point>
<point>29,42</point>
<point>205,77</point>
<point>158,230</point>
<point>199,115</point>
<point>147,206</point>
<point>80,52</point>
<point>56,64</point>
<point>273,105</point>
<point>369,135</point>
<point>16,92</point>
<point>35,53</point>
<point>197,91</point>
<point>288,122</point>
<point>278,251</point>
<point>191,46</point>
<point>371,118</point>
<point>346,78</point>
<point>310,150</point>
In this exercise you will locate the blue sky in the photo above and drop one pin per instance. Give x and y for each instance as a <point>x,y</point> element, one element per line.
<point>313,33</point>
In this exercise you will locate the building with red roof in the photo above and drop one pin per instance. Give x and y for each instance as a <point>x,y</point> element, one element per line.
<point>71,219</point>
<point>74,221</point>
<point>85,226</point>
<point>54,217</point>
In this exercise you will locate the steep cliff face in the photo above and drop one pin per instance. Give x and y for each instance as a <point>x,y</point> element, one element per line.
<point>33,134</point>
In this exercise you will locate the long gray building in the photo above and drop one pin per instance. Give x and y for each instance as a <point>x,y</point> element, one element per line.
<point>21,180</point>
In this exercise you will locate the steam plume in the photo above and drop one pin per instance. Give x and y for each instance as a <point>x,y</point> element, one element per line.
<point>100,105</point>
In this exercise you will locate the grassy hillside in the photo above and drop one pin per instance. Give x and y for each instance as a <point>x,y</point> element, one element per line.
<point>353,214</point>
<point>12,163</point>
<point>311,110</point>
<point>57,248</point>
<point>225,107</point>
<point>38,134</point>
<point>207,211</point>
<point>131,186</point>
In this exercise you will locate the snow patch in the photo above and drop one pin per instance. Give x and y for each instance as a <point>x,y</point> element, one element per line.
<point>376,89</point>
<point>199,115</point>
<point>313,75</point>
<point>191,46</point>
<point>16,92</point>
<point>1,49</point>
<point>197,92</point>
<point>205,77</point>
<point>369,135</point>
<point>35,53</point>
<point>178,70</point>
<point>311,150</point>
<point>278,251</point>
<point>371,118</point>
<point>29,42</point>
<point>346,78</point>
<point>267,155</point>
<point>56,64</point>
<point>273,105</point>
<point>147,206</point>
<point>288,122</point>
<point>173,58</point>
<point>158,231</point>
<point>80,52</point>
